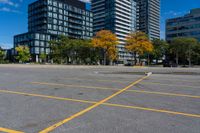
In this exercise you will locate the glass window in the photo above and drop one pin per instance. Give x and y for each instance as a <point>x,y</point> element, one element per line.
<point>36,43</point>
<point>36,50</point>
<point>42,44</point>
<point>55,3</point>
<point>37,36</point>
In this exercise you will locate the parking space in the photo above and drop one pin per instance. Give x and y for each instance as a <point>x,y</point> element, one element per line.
<point>97,99</point>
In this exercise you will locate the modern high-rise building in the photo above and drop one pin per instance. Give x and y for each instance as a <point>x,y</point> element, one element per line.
<point>185,26</point>
<point>49,18</point>
<point>125,16</point>
<point>148,17</point>
<point>118,16</point>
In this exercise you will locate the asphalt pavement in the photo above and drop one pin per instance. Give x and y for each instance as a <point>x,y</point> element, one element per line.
<point>98,99</point>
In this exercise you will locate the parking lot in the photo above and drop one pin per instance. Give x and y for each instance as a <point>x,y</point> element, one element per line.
<point>81,99</point>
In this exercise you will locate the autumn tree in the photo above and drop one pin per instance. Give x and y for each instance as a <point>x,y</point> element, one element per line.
<point>23,54</point>
<point>139,44</point>
<point>106,41</point>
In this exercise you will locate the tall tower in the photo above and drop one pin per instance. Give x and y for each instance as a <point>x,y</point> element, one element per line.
<point>148,19</point>
<point>118,16</point>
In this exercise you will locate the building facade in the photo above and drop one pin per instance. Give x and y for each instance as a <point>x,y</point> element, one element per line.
<point>47,19</point>
<point>118,16</point>
<point>185,26</point>
<point>125,16</point>
<point>148,18</point>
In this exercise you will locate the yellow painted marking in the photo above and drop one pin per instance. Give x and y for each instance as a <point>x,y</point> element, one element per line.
<point>106,104</point>
<point>171,85</point>
<point>76,86</point>
<point>181,80</point>
<point>133,91</point>
<point>49,129</point>
<point>164,93</point>
<point>101,80</point>
<point>156,110</point>
<point>45,96</point>
<point>9,130</point>
<point>125,81</point>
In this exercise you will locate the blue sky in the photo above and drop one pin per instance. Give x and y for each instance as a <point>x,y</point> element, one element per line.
<point>13,16</point>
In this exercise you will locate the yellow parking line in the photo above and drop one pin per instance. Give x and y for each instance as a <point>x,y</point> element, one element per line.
<point>181,80</point>
<point>164,93</point>
<point>76,86</point>
<point>9,130</point>
<point>49,129</point>
<point>155,110</point>
<point>113,89</point>
<point>106,104</point>
<point>171,85</point>
<point>101,80</point>
<point>46,96</point>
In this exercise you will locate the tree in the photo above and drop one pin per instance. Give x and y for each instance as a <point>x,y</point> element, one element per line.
<point>106,41</point>
<point>161,47</point>
<point>23,54</point>
<point>195,56</point>
<point>2,55</point>
<point>183,48</point>
<point>43,57</point>
<point>138,43</point>
<point>73,51</point>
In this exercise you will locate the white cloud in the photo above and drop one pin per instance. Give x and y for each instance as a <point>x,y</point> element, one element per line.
<point>9,2</point>
<point>6,9</point>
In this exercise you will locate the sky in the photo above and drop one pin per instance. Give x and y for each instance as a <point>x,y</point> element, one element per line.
<point>13,16</point>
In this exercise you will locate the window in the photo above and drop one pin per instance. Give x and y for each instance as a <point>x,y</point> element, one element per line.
<point>36,43</point>
<point>55,15</point>
<point>37,36</point>
<point>50,14</point>
<point>42,44</point>
<point>37,50</point>
<point>54,3</point>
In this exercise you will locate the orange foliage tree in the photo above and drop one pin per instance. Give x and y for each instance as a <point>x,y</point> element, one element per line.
<point>138,43</point>
<point>107,41</point>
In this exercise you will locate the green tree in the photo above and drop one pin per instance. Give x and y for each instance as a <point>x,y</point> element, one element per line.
<point>139,44</point>
<point>183,47</point>
<point>161,47</point>
<point>60,49</point>
<point>23,54</point>
<point>73,51</point>
<point>107,41</point>
<point>195,55</point>
<point>2,55</point>
<point>43,57</point>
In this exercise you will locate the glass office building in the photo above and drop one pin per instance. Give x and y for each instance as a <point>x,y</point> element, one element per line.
<point>118,16</point>
<point>185,26</point>
<point>148,17</point>
<point>47,19</point>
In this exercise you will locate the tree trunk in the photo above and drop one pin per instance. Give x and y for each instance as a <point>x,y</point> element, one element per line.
<point>105,58</point>
<point>135,58</point>
<point>177,58</point>
<point>189,57</point>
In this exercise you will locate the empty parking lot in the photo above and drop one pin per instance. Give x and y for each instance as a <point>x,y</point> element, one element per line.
<point>81,99</point>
